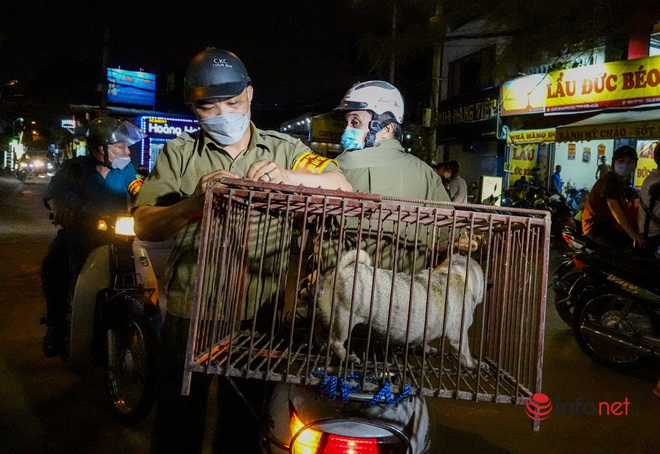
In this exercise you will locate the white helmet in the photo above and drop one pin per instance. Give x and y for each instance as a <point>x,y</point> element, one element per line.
<point>374,95</point>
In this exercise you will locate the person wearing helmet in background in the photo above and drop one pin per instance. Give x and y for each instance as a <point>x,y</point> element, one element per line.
<point>374,160</point>
<point>82,189</point>
<point>218,90</point>
<point>604,219</point>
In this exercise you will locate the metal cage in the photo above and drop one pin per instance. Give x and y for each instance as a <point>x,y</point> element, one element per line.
<point>265,250</point>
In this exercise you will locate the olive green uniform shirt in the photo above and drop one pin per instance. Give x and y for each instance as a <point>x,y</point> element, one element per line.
<point>179,167</point>
<point>386,169</point>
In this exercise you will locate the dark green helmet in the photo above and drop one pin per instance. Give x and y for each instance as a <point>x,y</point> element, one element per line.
<point>214,73</point>
<point>105,130</point>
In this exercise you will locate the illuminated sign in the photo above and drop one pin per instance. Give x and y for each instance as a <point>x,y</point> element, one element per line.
<point>131,87</point>
<point>159,130</point>
<point>626,83</point>
<point>531,136</point>
<point>167,128</point>
<point>70,124</point>
<point>524,95</point>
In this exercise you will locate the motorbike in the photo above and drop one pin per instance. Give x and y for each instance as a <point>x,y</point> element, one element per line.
<point>338,417</point>
<point>568,282</point>
<point>22,171</point>
<point>616,319</point>
<point>114,320</point>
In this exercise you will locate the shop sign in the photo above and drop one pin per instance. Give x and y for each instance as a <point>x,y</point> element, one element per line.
<point>131,87</point>
<point>645,163</point>
<point>524,95</point>
<point>628,130</point>
<point>167,128</point>
<point>522,160</point>
<point>531,136</point>
<point>628,83</point>
<point>469,116</point>
<point>475,111</point>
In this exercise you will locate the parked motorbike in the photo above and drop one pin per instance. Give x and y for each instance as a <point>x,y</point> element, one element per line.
<point>114,320</point>
<point>617,318</point>
<point>568,281</point>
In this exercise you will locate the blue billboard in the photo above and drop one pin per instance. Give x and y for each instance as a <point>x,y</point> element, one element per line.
<point>131,87</point>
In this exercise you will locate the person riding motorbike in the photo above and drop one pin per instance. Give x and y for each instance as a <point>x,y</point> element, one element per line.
<point>84,188</point>
<point>604,219</point>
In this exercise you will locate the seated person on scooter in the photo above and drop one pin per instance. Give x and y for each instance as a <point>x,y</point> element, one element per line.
<point>84,188</point>
<point>604,219</point>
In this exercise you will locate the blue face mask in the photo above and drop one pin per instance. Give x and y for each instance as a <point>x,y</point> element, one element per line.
<point>226,129</point>
<point>353,139</point>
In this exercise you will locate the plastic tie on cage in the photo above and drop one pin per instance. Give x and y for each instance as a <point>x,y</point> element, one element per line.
<point>333,386</point>
<point>385,394</point>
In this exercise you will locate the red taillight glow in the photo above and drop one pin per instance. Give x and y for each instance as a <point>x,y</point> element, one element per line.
<point>348,445</point>
<point>311,441</point>
<point>579,264</point>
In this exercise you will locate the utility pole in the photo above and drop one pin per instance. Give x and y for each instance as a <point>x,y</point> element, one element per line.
<point>392,58</point>
<point>104,70</point>
<point>436,77</point>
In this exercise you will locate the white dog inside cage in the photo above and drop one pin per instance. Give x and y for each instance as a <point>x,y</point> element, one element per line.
<point>403,308</point>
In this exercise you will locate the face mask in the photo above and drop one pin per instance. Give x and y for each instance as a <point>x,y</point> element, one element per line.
<point>353,139</point>
<point>119,163</point>
<point>226,129</point>
<point>623,169</point>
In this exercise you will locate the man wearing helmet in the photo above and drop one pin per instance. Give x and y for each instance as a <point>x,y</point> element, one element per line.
<point>604,219</point>
<point>83,188</point>
<point>218,90</point>
<point>374,160</point>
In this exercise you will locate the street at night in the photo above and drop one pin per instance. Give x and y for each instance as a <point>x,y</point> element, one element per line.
<point>47,408</point>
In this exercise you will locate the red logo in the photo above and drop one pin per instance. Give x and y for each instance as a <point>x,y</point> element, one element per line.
<point>538,407</point>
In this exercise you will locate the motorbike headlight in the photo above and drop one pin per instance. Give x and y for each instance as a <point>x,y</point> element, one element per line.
<point>23,165</point>
<point>124,226</point>
<point>38,163</point>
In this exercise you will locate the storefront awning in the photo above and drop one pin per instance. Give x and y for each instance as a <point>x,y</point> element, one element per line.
<point>643,124</point>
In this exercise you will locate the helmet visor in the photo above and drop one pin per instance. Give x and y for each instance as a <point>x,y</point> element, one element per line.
<point>352,105</point>
<point>128,133</point>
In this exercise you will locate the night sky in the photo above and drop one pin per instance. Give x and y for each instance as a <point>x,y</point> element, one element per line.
<point>298,53</point>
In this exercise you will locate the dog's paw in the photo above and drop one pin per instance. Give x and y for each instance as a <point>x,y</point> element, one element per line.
<point>469,362</point>
<point>430,350</point>
<point>354,358</point>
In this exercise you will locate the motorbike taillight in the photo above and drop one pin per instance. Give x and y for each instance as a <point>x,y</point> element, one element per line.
<point>332,437</point>
<point>579,263</point>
